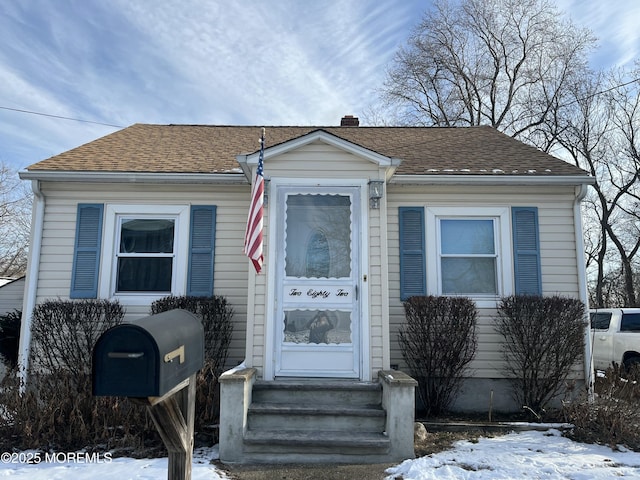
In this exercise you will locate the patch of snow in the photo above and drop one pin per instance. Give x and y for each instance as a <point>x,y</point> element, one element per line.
<point>235,369</point>
<point>104,467</point>
<point>529,454</point>
<point>497,170</point>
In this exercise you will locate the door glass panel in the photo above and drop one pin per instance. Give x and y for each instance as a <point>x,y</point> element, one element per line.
<point>317,326</point>
<point>318,236</point>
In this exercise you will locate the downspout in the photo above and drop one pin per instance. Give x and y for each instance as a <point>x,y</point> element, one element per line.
<point>31,284</point>
<point>582,287</point>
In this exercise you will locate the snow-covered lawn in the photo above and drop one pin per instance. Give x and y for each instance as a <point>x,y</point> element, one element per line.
<point>530,454</point>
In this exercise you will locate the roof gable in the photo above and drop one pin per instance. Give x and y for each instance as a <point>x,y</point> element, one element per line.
<point>316,136</point>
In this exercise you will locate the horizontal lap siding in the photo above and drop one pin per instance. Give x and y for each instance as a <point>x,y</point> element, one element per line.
<point>231,267</point>
<point>557,249</point>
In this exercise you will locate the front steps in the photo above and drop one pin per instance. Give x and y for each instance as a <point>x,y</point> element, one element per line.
<point>316,421</point>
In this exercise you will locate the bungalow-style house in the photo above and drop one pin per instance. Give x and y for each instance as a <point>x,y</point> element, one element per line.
<point>356,219</point>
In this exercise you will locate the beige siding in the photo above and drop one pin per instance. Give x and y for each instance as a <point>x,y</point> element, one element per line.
<point>557,248</point>
<point>11,296</point>
<point>319,160</point>
<point>231,266</point>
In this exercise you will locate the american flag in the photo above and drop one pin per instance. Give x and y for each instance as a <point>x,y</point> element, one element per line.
<point>253,233</point>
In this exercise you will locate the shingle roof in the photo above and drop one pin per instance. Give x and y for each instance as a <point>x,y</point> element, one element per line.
<point>213,149</point>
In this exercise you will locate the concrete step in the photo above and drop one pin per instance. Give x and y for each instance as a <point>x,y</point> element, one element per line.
<point>318,393</point>
<point>277,442</point>
<point>286,416</point>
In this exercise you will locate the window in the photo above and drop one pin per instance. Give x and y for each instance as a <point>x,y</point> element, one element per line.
<point>480,252</point>
<point>600,320</point>
<point>468,256</point>
<point>630,322</point>
<point>469,252</point>
<point>148,255</point>
<point>145,258</point>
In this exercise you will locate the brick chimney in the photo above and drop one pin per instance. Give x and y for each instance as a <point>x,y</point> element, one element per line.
<point>349,121</point>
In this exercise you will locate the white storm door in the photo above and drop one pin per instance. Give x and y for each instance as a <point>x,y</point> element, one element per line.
<point>317,314</point>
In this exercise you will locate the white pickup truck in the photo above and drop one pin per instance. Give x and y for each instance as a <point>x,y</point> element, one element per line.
<point>615,337</point>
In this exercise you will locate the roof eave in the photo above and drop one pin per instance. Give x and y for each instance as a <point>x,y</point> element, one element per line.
<point>470,179</point>
<point>231,178</point>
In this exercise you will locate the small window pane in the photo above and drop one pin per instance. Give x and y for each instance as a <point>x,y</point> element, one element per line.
<point>630,322</point>
<point>467,276</point>
<point>467,237</point>
<point>600,320</point>
<point>144,274</point>
<point>147,236</point>
<point>317,327</point>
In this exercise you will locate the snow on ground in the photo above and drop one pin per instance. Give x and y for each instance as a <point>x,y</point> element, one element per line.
<point>92,467</point>
<point>526,455</point>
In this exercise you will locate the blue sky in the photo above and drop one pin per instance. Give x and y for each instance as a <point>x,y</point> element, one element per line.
<point>248,62</point>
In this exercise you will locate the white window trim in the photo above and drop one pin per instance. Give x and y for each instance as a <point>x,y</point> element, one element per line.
<point>504,264</point>
<point>108,268</point>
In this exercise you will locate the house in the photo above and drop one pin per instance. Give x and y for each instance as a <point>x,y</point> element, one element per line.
<point>11,293</point>
<point>356,219</point>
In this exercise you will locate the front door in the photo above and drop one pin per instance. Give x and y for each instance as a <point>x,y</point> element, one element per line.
<point>317,314</point>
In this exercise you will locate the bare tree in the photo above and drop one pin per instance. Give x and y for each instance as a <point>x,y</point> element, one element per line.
<point>504,63</point>
<point>15,223</point>
<point>602,135</point>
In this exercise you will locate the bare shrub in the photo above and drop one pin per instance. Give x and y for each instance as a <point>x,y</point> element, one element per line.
<point>437,342</point>
<point>56,410</point>
<point>65,331</point>
<point>216,315</point>
<point>543,341</point>
<point>613,417</point>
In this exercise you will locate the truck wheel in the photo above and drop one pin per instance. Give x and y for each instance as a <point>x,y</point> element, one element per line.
<point>632,363</point>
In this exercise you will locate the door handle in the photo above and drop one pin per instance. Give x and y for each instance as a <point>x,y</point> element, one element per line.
<point>356,289</point>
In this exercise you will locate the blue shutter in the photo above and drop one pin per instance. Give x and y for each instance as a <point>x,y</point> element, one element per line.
<point>412,252</point>
<point>526,251</point>
<point>202,240</point>
<point>86,255</point>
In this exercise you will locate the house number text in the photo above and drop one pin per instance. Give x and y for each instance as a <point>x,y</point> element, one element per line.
<point>320,294</point>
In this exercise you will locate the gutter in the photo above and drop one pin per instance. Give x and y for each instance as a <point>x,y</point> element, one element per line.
<point>234,178</point>
<point>582,288</point>
<point>492,179</point>
<point>31,283</point>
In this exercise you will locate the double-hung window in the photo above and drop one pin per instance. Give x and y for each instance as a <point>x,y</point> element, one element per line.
<point>145,260</point>
<point>148,256</point>
<point>469,252</point>
<point>468,256</point>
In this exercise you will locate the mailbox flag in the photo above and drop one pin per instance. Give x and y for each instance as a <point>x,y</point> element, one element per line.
<point>253,233</point>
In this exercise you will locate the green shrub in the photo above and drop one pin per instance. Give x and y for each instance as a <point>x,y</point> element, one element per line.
<point>437,342</point>
<point>543,341</point>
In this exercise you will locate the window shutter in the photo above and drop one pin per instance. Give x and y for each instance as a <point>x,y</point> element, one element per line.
<point>86,255</point>
<point>412,252</point>
<point>202,239</point>
<point>526,251</point>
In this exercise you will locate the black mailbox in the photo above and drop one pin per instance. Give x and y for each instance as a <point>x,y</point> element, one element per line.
<point>148,357</point>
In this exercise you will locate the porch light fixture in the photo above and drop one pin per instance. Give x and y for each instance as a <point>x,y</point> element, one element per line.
<point>376,189</point>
